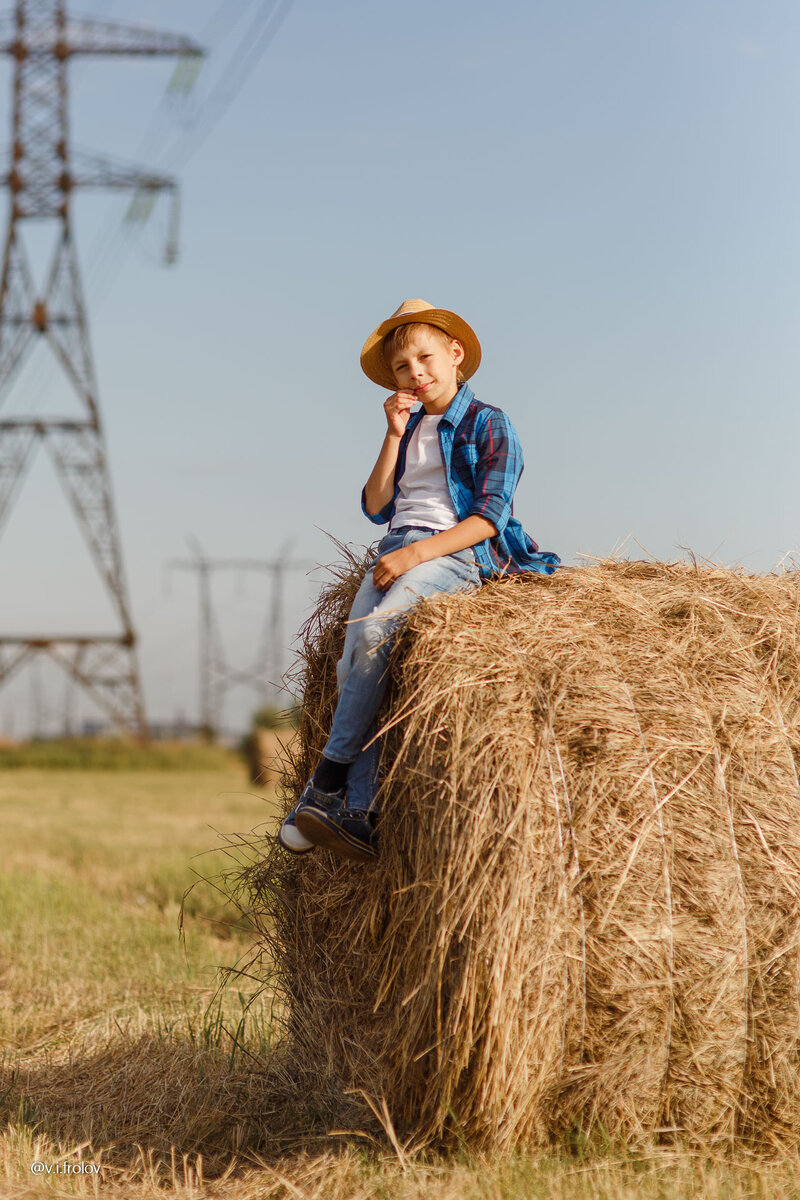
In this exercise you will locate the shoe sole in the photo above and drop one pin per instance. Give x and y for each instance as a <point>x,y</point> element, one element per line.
<point>322,832</point>
<point>291,849</point>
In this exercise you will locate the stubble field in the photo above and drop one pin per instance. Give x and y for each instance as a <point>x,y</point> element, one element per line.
<point>126,1072</point>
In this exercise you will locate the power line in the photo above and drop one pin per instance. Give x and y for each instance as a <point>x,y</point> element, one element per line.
<point>259,36</point>
<point>249,51</point>
<point>115,241</point>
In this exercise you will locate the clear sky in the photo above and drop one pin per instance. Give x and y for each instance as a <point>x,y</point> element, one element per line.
<point>609,194</point>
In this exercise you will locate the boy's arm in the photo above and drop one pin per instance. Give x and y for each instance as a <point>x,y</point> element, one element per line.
<point>379,490</point>
<point>497,474</point>
<point>498,469</point>
<point>391,566</point>
<point>466,533</point>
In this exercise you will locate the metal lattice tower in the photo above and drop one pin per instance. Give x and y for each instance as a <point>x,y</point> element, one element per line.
<point>215,674</point>
<point>41,175</point>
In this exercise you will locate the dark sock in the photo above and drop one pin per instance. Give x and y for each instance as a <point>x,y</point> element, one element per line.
<point>330,776</point>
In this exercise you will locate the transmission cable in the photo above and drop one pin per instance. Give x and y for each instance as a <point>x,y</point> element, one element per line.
<point>249,51</point>
<point>118,238</point>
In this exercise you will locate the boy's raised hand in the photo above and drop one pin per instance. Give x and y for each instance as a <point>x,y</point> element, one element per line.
<point>398,410</point>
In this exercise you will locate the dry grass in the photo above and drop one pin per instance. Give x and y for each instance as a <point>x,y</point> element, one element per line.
<point>94,867</point>
<point>113,1031</point>
<point>348,1175</point>
<point>587,911</point>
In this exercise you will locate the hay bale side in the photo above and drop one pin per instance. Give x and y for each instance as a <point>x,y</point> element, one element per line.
<point>587,908</point>
<point>267,752</point>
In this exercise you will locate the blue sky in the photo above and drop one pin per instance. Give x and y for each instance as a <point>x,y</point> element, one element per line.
<point>608,193</point>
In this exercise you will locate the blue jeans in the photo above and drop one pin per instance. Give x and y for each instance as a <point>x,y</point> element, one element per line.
<point>361,673</point>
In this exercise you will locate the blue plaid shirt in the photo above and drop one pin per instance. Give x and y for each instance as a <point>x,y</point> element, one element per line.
<point>482,464</point>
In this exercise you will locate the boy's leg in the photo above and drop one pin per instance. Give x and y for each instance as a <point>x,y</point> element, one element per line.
<point>362,777</point>
<point>364,665</point>
<point>362,678</point>
<point>329,789</point>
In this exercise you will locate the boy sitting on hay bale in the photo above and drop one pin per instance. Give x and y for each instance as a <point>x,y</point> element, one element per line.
<point>444,480</point>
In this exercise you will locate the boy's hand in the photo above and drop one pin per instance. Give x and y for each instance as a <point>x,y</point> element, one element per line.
<point>398,410</point>
<point>391,566</point>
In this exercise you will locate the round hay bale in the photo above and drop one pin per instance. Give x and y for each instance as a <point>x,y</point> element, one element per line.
<point>587,906</point>
<point>267,750</point>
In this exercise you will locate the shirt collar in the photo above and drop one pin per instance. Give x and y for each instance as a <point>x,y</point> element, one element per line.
<point>452,414</point>
<point>458,405</point>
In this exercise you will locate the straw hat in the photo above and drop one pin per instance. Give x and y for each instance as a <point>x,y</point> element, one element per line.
<point>373,363</point>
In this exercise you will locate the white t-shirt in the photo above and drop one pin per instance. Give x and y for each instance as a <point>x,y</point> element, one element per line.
<point>423,498</point>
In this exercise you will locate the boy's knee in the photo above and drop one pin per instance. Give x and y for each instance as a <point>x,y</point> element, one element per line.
<point>371,646</point>
<point>375,633</point>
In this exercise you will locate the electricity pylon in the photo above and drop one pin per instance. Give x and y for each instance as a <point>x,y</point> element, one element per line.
<point>41,175</point>
<point>216,675</point>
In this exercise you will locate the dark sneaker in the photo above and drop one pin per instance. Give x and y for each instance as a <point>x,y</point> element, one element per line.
<point>314,800</point>
<point>291,838</point>
<point>348,832</point>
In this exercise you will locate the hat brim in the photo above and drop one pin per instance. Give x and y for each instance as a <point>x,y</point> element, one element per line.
<point>374,365</point>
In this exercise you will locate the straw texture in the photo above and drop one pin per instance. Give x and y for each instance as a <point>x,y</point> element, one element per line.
<point>587,906</point>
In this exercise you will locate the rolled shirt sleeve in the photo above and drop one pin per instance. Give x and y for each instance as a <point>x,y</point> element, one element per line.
<point>497,470</point>
<point>378,518</point>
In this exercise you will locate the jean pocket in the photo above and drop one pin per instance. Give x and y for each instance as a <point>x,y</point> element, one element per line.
<point>389,541</point>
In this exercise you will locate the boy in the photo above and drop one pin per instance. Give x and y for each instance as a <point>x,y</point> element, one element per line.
<point>444,480</point>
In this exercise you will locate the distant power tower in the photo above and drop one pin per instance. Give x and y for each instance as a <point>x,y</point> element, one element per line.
<point>41,176</point>
<point>215,674</point>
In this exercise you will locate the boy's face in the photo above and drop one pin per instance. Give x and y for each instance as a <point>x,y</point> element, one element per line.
<point>428,367</point>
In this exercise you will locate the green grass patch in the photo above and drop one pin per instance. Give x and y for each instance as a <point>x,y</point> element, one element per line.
<point>95,869</point>
<point>115,754</point>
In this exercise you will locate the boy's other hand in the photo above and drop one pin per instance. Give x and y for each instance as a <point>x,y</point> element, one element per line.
<point>391,566</point>
<point>398,410</point>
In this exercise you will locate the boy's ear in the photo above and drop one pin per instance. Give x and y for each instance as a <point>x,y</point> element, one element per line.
<point>458,357</point>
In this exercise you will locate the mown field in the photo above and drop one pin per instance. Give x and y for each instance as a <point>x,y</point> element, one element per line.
<point>127,1073</point>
